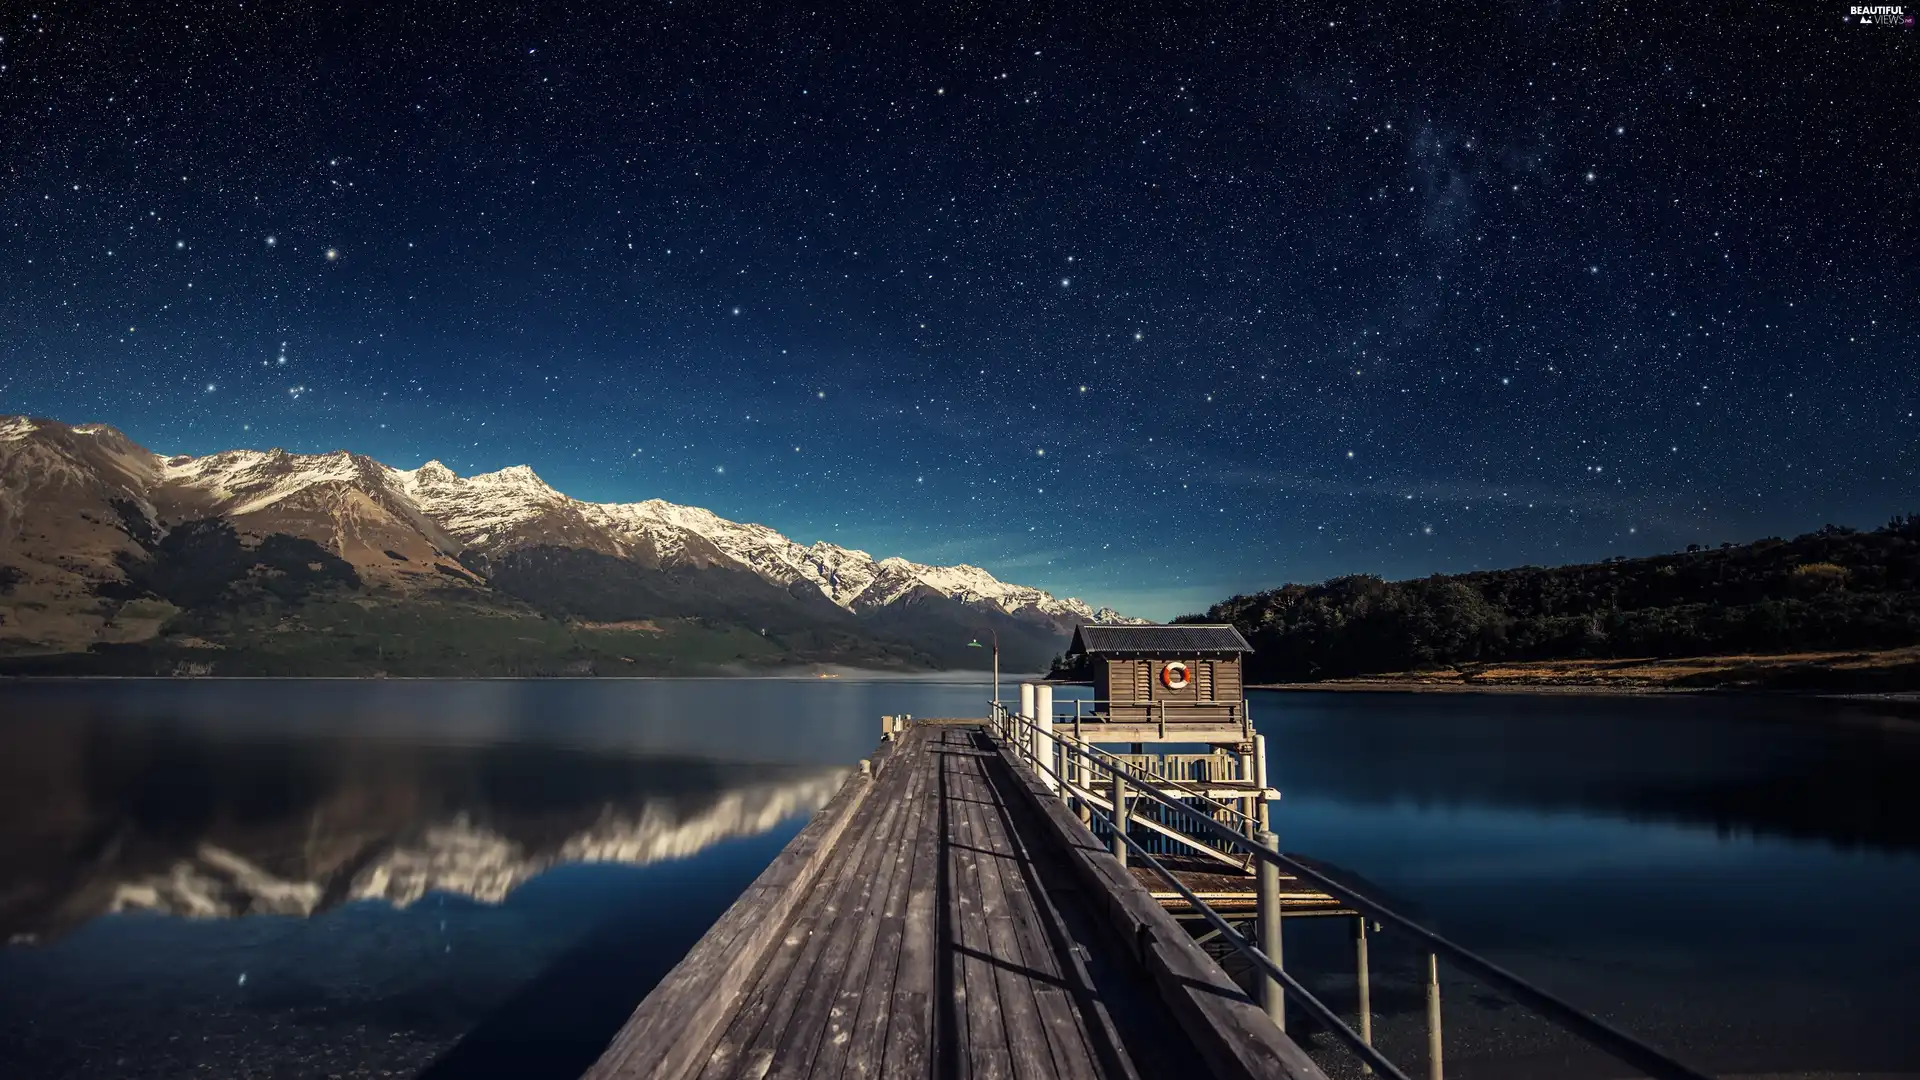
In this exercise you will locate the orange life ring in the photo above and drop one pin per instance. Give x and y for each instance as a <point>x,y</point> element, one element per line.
<point>1175,676</point>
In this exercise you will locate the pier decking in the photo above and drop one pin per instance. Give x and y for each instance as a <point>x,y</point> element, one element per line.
<point>947,916</point>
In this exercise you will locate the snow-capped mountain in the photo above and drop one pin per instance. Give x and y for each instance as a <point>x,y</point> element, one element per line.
<point>505,509</point>
<point>85,500</point>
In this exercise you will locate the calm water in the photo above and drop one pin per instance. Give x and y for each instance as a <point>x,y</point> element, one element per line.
<point>481,879</point>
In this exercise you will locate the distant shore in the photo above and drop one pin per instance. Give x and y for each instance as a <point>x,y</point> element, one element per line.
<point>1888,674</point>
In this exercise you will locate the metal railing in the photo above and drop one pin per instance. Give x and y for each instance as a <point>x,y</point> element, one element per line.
<point>1089,772</point>
<point>1057,756</point>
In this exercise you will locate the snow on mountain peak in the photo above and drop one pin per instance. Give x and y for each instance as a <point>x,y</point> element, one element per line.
<point>849,577</point>
<point>513,507</point>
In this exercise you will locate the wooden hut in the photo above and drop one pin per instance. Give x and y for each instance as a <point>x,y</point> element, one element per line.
<point>1182,680</point>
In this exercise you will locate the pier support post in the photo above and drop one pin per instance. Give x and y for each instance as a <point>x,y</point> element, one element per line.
<point>1434,1071</point>
<point>1043,735</point>
<point>1267,876</point>
<point>1021,740</point>
<point>1118,793</point>
<point>1366,984</point>
<point>1262,810</point>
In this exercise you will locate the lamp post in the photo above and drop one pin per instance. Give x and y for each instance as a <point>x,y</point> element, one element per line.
<point>975,644</point>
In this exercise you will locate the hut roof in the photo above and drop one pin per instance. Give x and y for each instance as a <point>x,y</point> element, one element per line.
<point>1180,639</point>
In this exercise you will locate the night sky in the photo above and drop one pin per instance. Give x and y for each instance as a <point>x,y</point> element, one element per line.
<point>1144,304</point>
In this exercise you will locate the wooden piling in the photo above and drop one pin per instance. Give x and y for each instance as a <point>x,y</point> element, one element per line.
<point>1272,997</point>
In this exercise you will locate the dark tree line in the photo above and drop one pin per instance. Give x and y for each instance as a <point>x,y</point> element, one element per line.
<point>1837,588</point>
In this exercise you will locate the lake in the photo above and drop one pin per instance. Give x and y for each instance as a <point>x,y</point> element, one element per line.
<point>482,878</point>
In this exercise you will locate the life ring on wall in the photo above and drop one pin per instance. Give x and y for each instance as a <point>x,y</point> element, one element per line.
<point>1175,676</point>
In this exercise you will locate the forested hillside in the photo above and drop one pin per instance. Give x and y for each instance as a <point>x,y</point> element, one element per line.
<point>1837,588</point>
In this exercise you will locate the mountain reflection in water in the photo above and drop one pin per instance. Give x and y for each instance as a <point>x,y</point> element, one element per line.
<point>161,818</point>
<point>455,880</point>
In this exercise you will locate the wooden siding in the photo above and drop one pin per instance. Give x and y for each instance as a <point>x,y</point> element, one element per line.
<point>1226,680</point>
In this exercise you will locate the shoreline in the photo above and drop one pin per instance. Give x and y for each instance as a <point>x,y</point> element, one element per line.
<point>1417,686</point>
<point>851,676</point>
<point>1886,675</point>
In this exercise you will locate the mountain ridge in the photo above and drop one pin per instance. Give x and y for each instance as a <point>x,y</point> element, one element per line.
<point>84,510</point>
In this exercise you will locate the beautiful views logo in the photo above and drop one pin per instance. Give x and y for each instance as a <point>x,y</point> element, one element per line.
<point>1880,15</point>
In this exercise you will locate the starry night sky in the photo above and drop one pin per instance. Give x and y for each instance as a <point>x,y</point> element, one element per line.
<point>1146,304</point>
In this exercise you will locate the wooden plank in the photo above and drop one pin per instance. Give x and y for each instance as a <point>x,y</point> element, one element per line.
<point>984,1045</point>
<point>1028,1047</point>
<point>1230,1031</point>
<point>862,979</point>
<point>741,1048</point>
<point>1062,1032</point>
<point>746,1045</point>
<point>1076,1016</point>
<point>670,1032</point>
<point>731,1049</point>
<point>911,1022</point>
<point>866,1049</point>
<point>1096,1022</point>
<point>867,853</point>
<point>782,1025</point>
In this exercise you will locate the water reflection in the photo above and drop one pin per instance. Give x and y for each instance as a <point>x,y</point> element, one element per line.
<point>482,879</point>
<point>173,818</point>
<point>1744,766</point>
<point>366,879</point>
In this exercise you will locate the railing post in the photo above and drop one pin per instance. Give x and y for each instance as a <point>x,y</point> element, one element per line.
<point>1366,986</point>
<point>1269,913</point>
<point>1043,735</point>
<point>1118,794</point>
<point>1434,1071</point>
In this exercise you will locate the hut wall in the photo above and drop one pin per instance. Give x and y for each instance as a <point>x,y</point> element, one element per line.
<point>1226,680</point>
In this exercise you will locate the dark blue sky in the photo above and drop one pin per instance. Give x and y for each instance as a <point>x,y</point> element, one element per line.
<point>1147,304</point>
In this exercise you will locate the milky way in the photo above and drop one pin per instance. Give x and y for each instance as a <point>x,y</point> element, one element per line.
<point>1144,304</point>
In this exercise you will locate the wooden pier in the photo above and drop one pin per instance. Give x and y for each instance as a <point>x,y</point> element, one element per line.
<point>947,915</point>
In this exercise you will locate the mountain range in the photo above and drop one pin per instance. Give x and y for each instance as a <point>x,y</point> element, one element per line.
<point>116,559</point>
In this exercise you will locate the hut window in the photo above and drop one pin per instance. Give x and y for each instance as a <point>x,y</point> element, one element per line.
<point>1142,681</point>
<point>1203,672</point>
